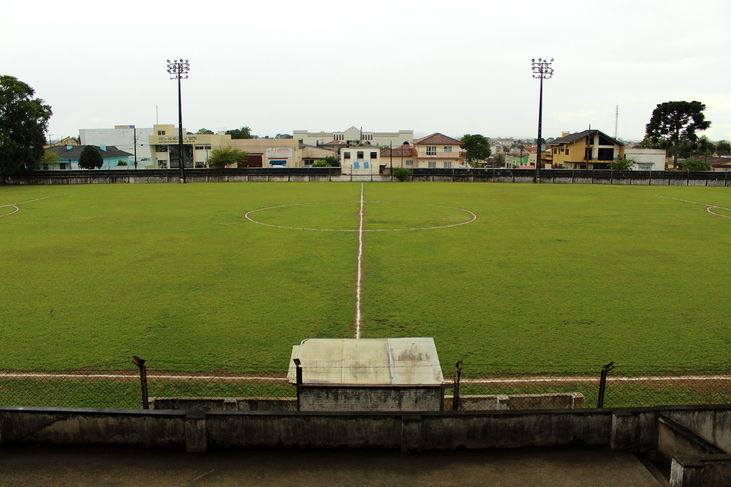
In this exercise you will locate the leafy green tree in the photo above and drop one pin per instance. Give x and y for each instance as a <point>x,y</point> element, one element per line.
<point>402,173</point>
<point>723,148</point>
<point>673,121</point>
<point>242,133</point>
<point>477,147</point>
<point>23,123</point>
<point>693,164</point>
<point>90,158</point>
<point>621,164</point>
<point>225,156</point>
<point>704,147</point>
<point>50,157</point>
<point>121,163</point>
<point>204,131</point>
<point>320,163</point>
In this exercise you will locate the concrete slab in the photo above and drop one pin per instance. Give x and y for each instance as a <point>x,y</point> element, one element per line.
<point>520,467</point>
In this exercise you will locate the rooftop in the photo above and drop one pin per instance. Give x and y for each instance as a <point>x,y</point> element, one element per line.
<point>437,139</point>
<point>367,361</point>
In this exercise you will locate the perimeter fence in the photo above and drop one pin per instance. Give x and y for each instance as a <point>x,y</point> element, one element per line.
<point>611,385</point>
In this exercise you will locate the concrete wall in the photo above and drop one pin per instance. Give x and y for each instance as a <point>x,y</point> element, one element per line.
<point>314,398</point>
<point>225,404</point>
<point>626,429</point>
<point>568,400</point>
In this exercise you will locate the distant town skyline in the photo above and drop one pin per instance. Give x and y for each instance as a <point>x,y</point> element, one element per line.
<point>279,67</point>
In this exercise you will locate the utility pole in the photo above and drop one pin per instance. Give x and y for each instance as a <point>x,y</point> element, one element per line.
<point>616,120</point>
<point>134,141</point>
<point>178,69</point>
<point>390,151</point>
<point>541,70</point>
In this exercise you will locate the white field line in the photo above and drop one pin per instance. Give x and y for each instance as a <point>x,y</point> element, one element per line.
<point>248,216</point>
<point>500,380</point>
<point>709,207</point>
<point>17,209</point>
<point>359,263</point>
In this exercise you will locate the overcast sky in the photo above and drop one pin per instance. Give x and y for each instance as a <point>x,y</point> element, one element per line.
<point>432,66</point>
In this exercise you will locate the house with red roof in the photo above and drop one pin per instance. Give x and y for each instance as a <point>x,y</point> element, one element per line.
<point>439,151</point>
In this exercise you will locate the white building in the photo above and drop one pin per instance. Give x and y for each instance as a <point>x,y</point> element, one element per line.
<point>122,137</point>
<point>360,160</point>
<point>353,135</point>
<point>646,159</point>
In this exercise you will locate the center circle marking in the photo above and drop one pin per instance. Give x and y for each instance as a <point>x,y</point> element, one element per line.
<point>471,217</point>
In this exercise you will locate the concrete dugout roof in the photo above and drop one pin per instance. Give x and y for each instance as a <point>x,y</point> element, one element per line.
<point>367,362</point>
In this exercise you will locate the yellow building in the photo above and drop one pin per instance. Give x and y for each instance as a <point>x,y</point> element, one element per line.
<point>439,151</point>
<point>589,149</point>
<point>198,148</point>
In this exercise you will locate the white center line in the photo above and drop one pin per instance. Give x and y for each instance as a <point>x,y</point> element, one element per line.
<point>359,272</point>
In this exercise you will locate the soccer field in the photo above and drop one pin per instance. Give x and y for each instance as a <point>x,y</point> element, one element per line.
<point>525,277</point>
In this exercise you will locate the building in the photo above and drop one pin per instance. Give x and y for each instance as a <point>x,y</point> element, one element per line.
<point>439,151</point>
<point>68,157</point>
<point>360,160</point>
<point>354,135</point>
<point>367,374</point>
<point>122,137</point>
<point>588,149</point>
<point>401,156</point>
<point>646,159</point>
<point>68,140</point>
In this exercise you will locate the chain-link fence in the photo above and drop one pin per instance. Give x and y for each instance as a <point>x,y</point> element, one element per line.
<point>605,386</point>
<point>583,386</point>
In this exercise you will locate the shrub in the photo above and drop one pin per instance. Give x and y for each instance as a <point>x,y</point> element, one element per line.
<point>121,163</point>
<point>402,173</point>
<point>693,164</point>
<point>225,156</point>
<point>320,163</point>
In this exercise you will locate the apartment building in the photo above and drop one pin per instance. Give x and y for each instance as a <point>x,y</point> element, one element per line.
<point>354,135</point>
<point>439,151</point>
<point>588,149</point>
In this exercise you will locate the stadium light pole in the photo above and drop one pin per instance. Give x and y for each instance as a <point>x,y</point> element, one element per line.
<point>541,69</point>
<point>178,69</point>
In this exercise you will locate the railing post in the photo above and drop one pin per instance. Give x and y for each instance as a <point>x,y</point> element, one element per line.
<point>455,388</point>
<point>140,362</point>
<point>603,384</point>
<point>298,365</point>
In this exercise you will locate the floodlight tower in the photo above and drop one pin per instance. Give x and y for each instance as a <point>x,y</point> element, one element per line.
<point>541,70</point>
<point>178,69</point>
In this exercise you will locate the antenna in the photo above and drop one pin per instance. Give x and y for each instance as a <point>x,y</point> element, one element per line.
<point>157,116</point>
<point>616,120</point>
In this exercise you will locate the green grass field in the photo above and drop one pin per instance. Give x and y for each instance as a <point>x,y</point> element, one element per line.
<point>548,278</point>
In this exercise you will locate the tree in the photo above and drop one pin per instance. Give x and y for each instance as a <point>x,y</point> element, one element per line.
<point>225,156</point>
<point>50,157</point>
<point>621,164</point>
<point>23,123</point>
<point>675,120</point>
<point>283,136</point>
<point>693,164</point>
<point>90,158</point>
<point>477,147</point>
<point>242,133</point>
<point>723,148</point>
<point>204,131</point>
<point>704,147</point>
<point>121,163</point>
<point>320,163</point>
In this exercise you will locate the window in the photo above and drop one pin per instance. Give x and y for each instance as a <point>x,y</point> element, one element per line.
<point>432,164</point>
<point>160,132</point>
<point>359,155</point>
<point>606,154</point>
<point>431,150</point>
<point>555,151</point>
<point>365,164</point>
<point>162,148</point>
<point>447,164</point>
<point>346,155</point>
<point>356,165</point>
<point>447,148</point>
<point>566,150</point>
<point>409,162</point>
<point>374,155</point>
<point>162,164</point>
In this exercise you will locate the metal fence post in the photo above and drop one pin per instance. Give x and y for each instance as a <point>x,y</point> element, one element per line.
<point>455,389</point>
<point>603,384</point>
<point>140,362</point>
<point>298,365</point>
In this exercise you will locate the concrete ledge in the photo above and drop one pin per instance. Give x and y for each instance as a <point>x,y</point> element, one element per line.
<point>700,471</point>
<point>225,403</point>
<point>562,400</point>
